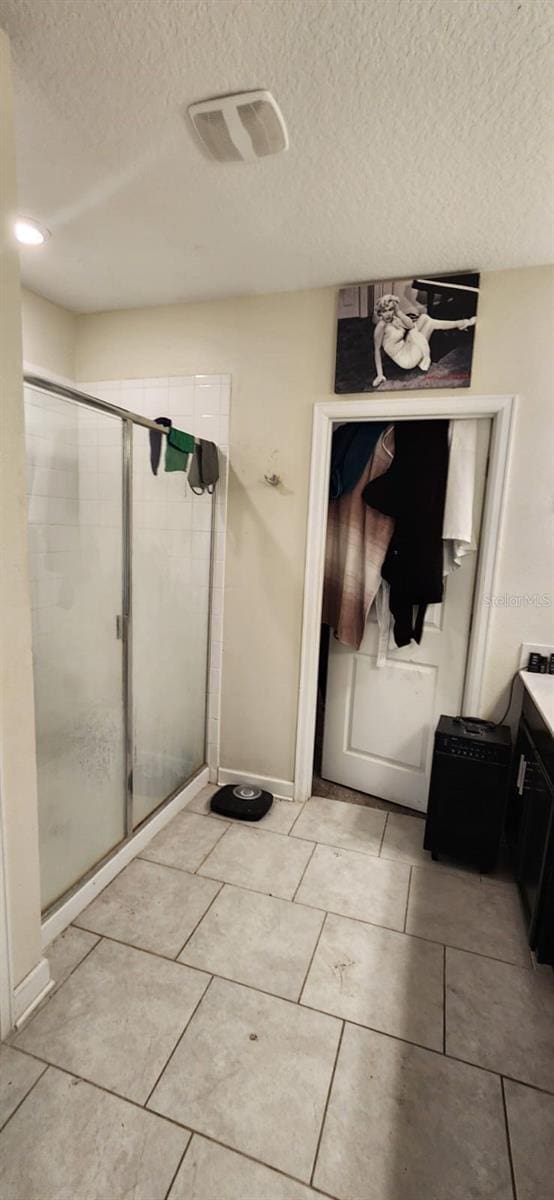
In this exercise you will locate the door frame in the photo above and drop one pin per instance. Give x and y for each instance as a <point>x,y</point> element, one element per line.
<point>501,410</point>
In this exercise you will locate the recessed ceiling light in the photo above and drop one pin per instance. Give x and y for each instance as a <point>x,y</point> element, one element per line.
<point>30,233</point>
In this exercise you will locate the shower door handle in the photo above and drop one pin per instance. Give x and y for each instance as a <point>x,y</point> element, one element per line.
<point>121,627</point>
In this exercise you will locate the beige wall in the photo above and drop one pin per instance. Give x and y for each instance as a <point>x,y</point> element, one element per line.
<point>48,335</point>
<point>17,733</point>
<point>280,351</point>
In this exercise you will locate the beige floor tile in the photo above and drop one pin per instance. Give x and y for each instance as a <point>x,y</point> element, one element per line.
<point>375,977</point>
<point>403,840</point>
<point>150,906</point>
<point>252,858</point>
<point>210,1172</point>
<point>468,913</point>
<point>18,1073</point>
<point>116,1020</point>
<point>253,1072</point>
<point>70,1140</point>
<point>255,939</point>
<point>201,802</point>
<point>348,826</point>
<point>356,885</point>
<point>531,1127</point>
<point>67,951</point>
<point>407,1124</point>
<point>500,1017</point>
<point>279,819</point>
<point>185,842</point>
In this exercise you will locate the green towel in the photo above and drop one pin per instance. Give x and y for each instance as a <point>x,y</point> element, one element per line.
<point>179,447</point>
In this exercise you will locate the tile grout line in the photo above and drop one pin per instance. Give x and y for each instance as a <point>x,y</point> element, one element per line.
<point>31,1089</point>
<point>155,862</point>
<point>444,1000</point>
<point>199,922</point>
<point>418,937</point>
<point>308,861</point>
<point>400,862</point>
<point>407,900</point>
<point>508,1140</point>
<point>208,1137</point>
<point>395,1037</point>
<point>297,818</point>
<point>383,835</point>
<point>226,829</point>
<point>177,1043</point>
<point>255,826</point>
<point>326,1106</point>
<point>166,958</point>
<point>57,987</point>
<point>178,1167</point>
<point>101,1088</point>
<point>312,956</point>
<point>347,1021</point>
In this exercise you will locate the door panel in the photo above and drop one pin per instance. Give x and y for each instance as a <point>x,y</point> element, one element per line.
<point>169,621</point>
<point>380,720</point>
<point>74,463</point>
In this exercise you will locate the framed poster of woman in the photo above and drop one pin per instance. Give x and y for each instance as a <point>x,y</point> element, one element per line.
<point>415,332</point>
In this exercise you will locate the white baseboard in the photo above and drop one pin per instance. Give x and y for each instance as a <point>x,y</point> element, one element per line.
<point>32,989</point>
<point>66,913</point>
<point>283,788</point>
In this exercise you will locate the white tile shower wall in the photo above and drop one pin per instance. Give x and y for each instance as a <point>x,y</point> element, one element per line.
<point>200,405</point>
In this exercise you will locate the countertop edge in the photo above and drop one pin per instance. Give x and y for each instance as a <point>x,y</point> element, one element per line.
<point>541,690</point>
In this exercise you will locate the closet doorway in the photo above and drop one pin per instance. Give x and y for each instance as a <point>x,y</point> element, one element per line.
<point>379,717</point>
<point>379,720</point>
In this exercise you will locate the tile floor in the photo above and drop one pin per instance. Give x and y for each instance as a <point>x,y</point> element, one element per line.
<point>300,1008</point>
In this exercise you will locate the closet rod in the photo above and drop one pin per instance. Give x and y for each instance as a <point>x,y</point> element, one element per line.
<point>67,393</point>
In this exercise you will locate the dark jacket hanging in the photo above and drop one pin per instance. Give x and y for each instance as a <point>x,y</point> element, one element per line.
<point>352,447</point>
<point>413,492</point>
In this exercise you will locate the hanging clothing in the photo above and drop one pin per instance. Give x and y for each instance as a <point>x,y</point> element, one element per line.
<point>156,443</point>
<point>457,528</point>
<point>413,492</point>
<point>353,445</point>
<point>204,468</point>
<point>179,447</point>
<point>357,542</point>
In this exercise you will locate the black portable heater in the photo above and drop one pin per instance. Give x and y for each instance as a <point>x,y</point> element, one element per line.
<point>468,790</point>
<point>243,802</point>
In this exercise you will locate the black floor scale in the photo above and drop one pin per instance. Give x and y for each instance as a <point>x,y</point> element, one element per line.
<point>241,801</point>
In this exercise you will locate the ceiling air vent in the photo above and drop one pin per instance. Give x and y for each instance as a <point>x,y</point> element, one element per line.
<point>240,128</point>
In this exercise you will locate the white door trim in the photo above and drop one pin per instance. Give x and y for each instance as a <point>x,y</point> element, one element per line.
<point>6,974</point>
<point>501,410</point>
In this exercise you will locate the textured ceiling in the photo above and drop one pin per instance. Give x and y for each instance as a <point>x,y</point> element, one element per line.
<point>420,136</point>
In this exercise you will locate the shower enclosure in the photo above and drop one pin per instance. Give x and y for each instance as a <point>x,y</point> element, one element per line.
<point>120,611</point>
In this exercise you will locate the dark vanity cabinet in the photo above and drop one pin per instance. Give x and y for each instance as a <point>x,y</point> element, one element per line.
<point>530,827</point>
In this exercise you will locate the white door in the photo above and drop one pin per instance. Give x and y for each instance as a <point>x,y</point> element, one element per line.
<point>380,721</point>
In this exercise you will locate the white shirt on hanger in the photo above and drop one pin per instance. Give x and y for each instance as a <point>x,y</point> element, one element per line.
<point>457,530</point>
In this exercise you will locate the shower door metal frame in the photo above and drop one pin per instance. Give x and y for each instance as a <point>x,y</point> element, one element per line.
<point>126,618</point>
<point>125,625</point>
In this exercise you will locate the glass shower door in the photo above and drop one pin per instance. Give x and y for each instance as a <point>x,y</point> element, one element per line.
<point>171,547</point>
<point>74,457</point>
